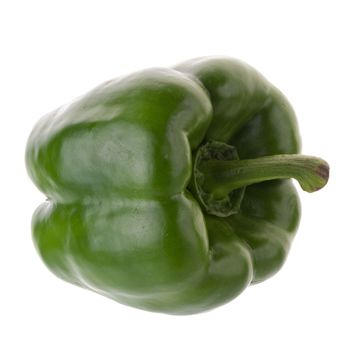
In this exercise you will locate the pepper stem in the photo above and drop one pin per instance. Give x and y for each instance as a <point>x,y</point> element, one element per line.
<point>224,176</point>
<point>220,177</point>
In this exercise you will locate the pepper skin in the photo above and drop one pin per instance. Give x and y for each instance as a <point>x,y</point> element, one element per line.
<point>123,217</point>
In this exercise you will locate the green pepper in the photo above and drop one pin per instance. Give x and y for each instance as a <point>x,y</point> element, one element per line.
<point>169,189</point>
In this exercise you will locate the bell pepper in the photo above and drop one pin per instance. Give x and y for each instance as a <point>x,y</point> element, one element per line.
<point>169,189</point>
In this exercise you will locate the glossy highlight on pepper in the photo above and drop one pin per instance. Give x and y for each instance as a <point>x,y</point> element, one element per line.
<point>169,189</point>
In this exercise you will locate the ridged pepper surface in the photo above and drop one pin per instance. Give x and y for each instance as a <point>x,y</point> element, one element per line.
<point>168,189</point>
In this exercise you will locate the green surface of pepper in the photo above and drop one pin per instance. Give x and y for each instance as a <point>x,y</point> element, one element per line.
<point>116,165</point>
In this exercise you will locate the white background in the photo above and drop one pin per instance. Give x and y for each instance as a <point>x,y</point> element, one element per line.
<point>53,51</point>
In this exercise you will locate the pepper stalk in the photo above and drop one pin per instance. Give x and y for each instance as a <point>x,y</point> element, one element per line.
<point>220,176</point>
